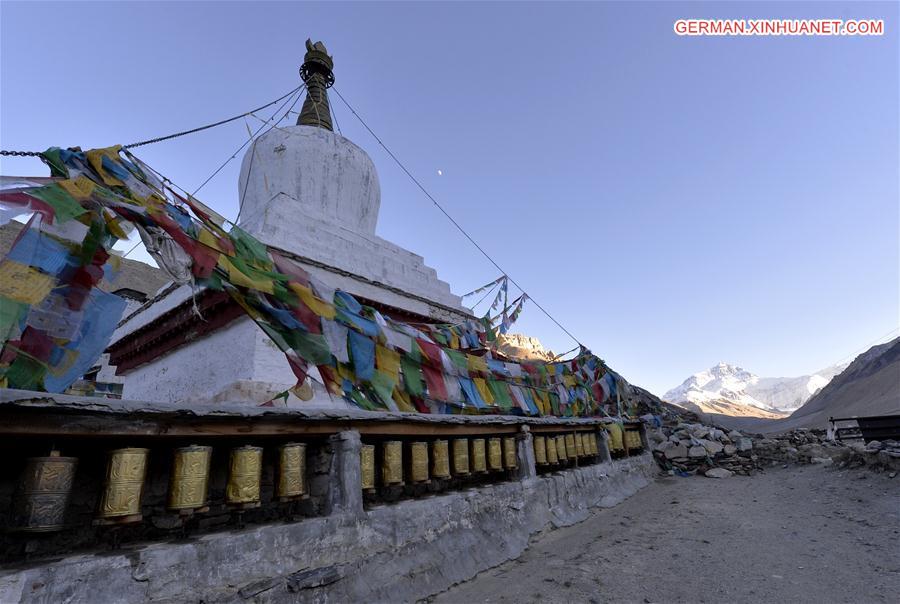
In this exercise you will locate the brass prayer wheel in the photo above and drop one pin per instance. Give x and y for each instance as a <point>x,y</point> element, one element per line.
<point>561,448</point>
<point>291,471</point>
<point>367,467</point>
<point>392,463</point>
<point>440,453</point>
<point>189,478</point>
<point>579,444</point>
<point>495,455</point>
<point>124,485</point>
<point>479,464</point>
<point>510,460</point>
<point>616,438</point>
<point>591,441</point>
<point>633,438</point>
<point>460,457</point>
<point>540,450</point>
<point>552,454</point>
<point>571,453</point>
<point>244,475</point>
<point>43,493</point>
<point>418,464</point>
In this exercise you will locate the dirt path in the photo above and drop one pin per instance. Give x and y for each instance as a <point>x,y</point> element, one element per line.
<point>803,534</point>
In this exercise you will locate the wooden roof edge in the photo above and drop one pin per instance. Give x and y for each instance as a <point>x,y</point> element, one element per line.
<point>43,402</point>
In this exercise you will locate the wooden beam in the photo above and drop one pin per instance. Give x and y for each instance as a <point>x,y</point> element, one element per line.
<point>44,422</point>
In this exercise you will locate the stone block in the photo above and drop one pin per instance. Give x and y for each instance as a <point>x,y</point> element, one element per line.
<point>712,446</point>
<point>676,451</point>
<point>697,451</point>
<point>718,473</point>
<point>825,461</point>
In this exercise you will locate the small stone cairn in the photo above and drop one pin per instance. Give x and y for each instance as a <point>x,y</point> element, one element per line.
<point>686,449</point>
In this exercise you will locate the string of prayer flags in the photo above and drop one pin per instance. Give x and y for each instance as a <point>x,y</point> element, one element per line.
<point>55,320</point>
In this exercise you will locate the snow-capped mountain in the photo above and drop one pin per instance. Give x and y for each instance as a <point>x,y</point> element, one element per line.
<point>742,389</point>
<point>721,382</point>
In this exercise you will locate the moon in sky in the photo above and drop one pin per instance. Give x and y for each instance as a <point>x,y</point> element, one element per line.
<point>440,173</point>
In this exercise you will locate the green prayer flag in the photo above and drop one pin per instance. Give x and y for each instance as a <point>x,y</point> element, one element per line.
<point>357,397</point>
<point>501,394</point>
<point>312,347</point>
<point>416,352</point>
<point>412,376</point>
<point>383,385</point>
<point>459,360</point>
<point>248,247</point>
<point>26,374</point>
<point>58,169</point>
<point>65,207</point>
<point>11,312</point>
<point>554,403</point>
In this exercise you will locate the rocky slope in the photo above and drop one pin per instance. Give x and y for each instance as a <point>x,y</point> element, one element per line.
<point>870,385</point>
<point>730,408</point>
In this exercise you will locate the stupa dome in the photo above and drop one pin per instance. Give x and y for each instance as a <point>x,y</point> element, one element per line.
<point>300,172</point>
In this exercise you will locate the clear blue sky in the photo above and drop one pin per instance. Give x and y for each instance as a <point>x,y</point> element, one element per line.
<point>673,201</point>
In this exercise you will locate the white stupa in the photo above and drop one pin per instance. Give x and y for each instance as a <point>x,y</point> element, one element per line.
<point>315,195</point>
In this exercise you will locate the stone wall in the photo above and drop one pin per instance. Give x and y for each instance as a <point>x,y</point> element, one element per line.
<point>387,552</point>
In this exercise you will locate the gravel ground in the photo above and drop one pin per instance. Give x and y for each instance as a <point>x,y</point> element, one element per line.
<point>802,534</point>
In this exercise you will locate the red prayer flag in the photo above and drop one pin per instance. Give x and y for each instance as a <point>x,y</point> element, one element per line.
<point>434,379</point>
<point>432,352</point>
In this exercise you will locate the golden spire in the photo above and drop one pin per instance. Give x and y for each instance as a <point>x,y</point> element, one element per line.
<point>316,73</point>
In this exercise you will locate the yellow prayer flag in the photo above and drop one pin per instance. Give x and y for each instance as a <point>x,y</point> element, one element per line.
<point>211,241</point>
<point>23,283</point>
<point>236,277</point>
<point>95,158</point>
<point>80,188</point>
<point>569,380</point>
<point>402,399</point>
<point>388,360</point>
<point>476,364</point>
<point>541,400</point>
<point>315,304</point>
<point>346,372</point>
<point>454,340</point>
<point>483,390</point>
<point>112,223</point>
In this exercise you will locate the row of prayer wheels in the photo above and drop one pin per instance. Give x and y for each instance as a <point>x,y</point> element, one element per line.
<point>623,438</point>
<point>440,459</point>
<point>46,484</point>
<point>563,448</point>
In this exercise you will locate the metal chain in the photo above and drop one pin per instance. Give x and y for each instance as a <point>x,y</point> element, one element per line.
<point>170,136</point>
<point>213,125</point>
<point>21,153</point>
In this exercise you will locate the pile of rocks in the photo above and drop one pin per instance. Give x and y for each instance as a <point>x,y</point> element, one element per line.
<point>687,449</point>
<point>812,446</point>
<point>884,450</point>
